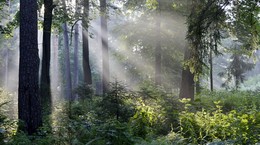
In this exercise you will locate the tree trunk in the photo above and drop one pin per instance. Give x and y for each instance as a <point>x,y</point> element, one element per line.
<point>6,67</point>
<point>76,72</point>
<point>211,70</point>
<point>45,82</point>
<point>29,105</point>
<point>55,67</point>
<point>104,42</point>
<point>198,86</point>
<point>158,50</point>
<point>187,82</point>
<point>7,54</point>
<point>68,88</point>
<point>86,62</point>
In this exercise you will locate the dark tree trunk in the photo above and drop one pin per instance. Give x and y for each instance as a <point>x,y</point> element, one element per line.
<point>158,50</point>
<point>45,82</point>
<point>86,62</point>
<point>187,82</point>
<point>198,86</point>
<point>104,41</point>
<point>29,104</point>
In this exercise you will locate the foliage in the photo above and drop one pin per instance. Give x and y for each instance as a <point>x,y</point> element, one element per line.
<point>204,24</point>
<point>84,91</point>
<point>7,126</point>
<point>244,23</point>
<point>170,139</point>
<point>143,120</point>
<point>139,42</point>
<point>157,118</point>
<point>204,126</point>
<point>117,103</point>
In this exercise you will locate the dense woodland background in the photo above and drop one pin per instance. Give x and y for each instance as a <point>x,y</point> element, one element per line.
<point>119,72</point>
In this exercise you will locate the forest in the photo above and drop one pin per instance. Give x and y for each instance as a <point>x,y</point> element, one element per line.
<point>129,72</point>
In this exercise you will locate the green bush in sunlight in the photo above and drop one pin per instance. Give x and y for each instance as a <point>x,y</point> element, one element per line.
<point>143,120</point>
<point>163,106</point>
<point>205,126</point>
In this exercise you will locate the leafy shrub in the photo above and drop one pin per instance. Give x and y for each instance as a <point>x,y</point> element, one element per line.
<point>170,139</point>
<point>205,126</point>
<point>111,132</point>
<point>143,120</point>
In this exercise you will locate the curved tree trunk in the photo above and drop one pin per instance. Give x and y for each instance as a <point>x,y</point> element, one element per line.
<point>29,105</point>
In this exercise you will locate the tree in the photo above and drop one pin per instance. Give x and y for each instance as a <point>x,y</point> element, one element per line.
<point>211,69</point>
<point>29,105</point>
<point>158,49</point>
<point>86,62</point>
<point>237,68</point>
<point>204,23</point>
<point>68,88</point>
<point>76,40</point>
<point>76,48</point>
<point>45,82</point>
<point>187,81</point>
<point>104,41</point>
<point>140,32</point>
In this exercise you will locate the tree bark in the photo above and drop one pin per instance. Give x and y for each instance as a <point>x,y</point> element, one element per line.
<point>55,67</point>
<point>67,62</point>
<point>104,42</point>
<point>29,104</point>
<point>211,69</point>
<point>158,49</point>
<point>6,84</point>
<point>76,66</point>
<point>86,62</point>
<point>45,82</point>
<point>68,88</point>
<point>187,82</point>
<point>198,86</point>
<point>6,66</point>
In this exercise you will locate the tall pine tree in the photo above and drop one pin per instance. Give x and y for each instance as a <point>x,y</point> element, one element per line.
<point>29,105</point>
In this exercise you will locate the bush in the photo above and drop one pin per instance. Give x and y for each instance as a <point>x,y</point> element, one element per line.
<point>205,126</point>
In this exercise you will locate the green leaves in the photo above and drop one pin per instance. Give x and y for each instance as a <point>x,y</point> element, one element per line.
<point>151,4</point>
<point>203,126</point>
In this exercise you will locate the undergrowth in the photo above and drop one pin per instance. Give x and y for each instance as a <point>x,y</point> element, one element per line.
<point>149,116</point>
